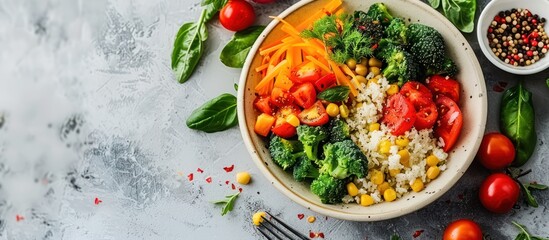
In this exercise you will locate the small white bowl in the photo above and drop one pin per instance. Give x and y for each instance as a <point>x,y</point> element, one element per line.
<point>540,7</point>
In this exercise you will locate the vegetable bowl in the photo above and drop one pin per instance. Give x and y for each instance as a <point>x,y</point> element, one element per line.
<point>473,104</point>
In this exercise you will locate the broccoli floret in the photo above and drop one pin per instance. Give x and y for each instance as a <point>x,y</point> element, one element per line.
<point>379,12</point>
<point>305,169</point>
<point>338,130</point>
<point>285,152</point>
<point>310,138</point>
<point>427,46</point>
<point>343,159</point>
<point>329,189</point>
<point>448,68</point>
<point>396,31</point>
<point>367,26</point>
<point>401,66</point>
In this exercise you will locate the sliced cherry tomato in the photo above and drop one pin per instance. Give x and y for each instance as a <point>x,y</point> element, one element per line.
<point>263,104</point>
<point>315,115</point>
<point>426,115</point>
<point>463,229</point>
<point>263,124</point>
<point>305,72</point>
<point>499,193</point>
<point>449,123</point>
<point>304,94</point>
<point>399,114</point>
<point>280,98</point>
<point>284,129</point>
<point>325,82</point>
<point>416,92</point>
<point>237,15</point>
<point>285,111</point>
<point>445,86</point>
<point>496,151</point>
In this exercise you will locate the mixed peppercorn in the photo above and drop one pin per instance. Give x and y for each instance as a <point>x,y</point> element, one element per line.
<point>517,37</point>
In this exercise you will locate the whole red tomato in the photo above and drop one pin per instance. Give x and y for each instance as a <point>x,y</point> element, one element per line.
<point>463,229</point>
<point>496,151</point>
<point>499,193</point>
<point>237,15</point>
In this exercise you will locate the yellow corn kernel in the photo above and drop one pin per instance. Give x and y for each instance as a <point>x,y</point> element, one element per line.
<point>373,127</point>
<point>361,79</point>
<point>404,157</point>
<point>382,187</point>
<point>377,177</point>
<point>375,70</point>
<point>363,62</point>
<point>292,120</point>
<point>417,185</point>
<point>366,200</point>
<point>257,218</point>
<point>243,178</point>
<point>393,89</point>
<point>358,105</point>
<point>373,80</point>
<point>374,62</point>
<point>332,109</point>
<point>311,219</point>
<point>402,141</point>
<point>394,172</point>
<point>432,160</point>
<point>352,190</point>
<point>433,172</point>
<point>389,195</point>
<point>384,146</point>
<point>343,111</point>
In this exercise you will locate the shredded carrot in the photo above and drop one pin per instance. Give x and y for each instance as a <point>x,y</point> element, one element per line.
<point>262,67</point>
<point>330,8</point>
<point>347,70</point>
<point>318,63</point>
<point>265,46</point>
<point>342,79</point>
<point>275,58</point>
<point>265,86</point>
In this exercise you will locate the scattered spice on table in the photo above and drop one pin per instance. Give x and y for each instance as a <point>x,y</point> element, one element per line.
<point>316,234</point>
<point>97,201</point>
<point>19,218</point>
<point>300,216</point>
<point>418,233</point>
<point>229,169</point>
<point>209,179</point>
<point>200,170</point>
<point>190,177</point>
<point>227,182</point>
<point>240,189</point>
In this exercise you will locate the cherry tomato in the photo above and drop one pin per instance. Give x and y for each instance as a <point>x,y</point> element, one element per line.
<point>426,115</point>
<point>496,151</point>
<point>325,82</point>
<point>399,114</point>
<point>305,72</point>
<point>263,104</point>
<point>264,1</point>
<point>445,86</point>
<point>463,229</point>
<point>284,129</point>
<point>280,98</point>
<point>304,94</point>
<point>315,115</point>
<point>416,92</point>
<point>499,193</point>
<point>237,15</point>
<point>285,111</point>
<point>449,123</point>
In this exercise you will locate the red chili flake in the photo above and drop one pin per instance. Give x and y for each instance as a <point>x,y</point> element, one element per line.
<point>190,177</point>
<point>233,186</point>
<point>227,182</point>
<point>240,189</point>
<point>321,234</point>
<point>229,169</point>
<point>19,218</point>
<point>503,84</point>
<point>97,201</point>
<point>209,179</point>
<point>300,216</point>
<point>498,88</point>
<point>199,170</point>
<point>418,233</point>
<point>311,234</point>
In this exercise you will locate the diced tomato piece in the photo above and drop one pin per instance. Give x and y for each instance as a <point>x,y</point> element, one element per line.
<point>305,72</point>
<point>426,115</point>
<point>329,80</point>
<point>445,86</point>
<point>287,110</point>
<point>263,104</point>
<point>450,121</point>
<point>315,115</point>
<point>284,129</point>
<point>399,114</point>
<point>280,98</point>
<point>416,92</point>
<point>263,124</point>
<point>304,94</point>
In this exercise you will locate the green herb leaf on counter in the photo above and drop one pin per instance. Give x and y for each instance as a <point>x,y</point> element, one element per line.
<point>461,13</point>
<point>518,122</point>
<point>547,82</point>
<point>235,87</point>
<point>395,237</point>
<point>434,3</point>
<point>215,115</point>
<point>335,94</point>
<point>228,203</point>
<point>212,7</point>
<point>235,52</point>
<point>526,187</point>
<point>188,48</point>
<point>524,235</point>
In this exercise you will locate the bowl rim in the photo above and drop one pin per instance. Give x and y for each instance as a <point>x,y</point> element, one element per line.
<point>285,190</point>
<point>483,23</point>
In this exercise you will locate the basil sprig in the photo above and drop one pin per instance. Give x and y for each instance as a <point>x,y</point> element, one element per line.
<point>235,52</point>
<point>518,122</point>
<point>228,203</point>
<point>335,94</point>
<point>215,115</point>
<point>526,189</point>
<point>460,12</point>
<point>525,235</point>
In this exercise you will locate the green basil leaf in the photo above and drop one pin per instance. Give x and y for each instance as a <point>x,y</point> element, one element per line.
<point>212,7</point>
<point>215,115</point>
<point>235,52</point>
<point>461,13</point>
<point>235,87</point>
<point>187,51</point>
<point>434,3</point>
<point>522,236</point>
<point>518,121</point>
<point>530,200</point>
<point>335,94</point>
<point>203,32</point>
<point>536,186</point>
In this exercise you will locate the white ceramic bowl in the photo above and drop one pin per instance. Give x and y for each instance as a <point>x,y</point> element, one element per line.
<point>473,105</point>
<point>540,7</point>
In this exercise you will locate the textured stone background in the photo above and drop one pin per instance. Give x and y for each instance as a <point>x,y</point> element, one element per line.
<point>90,109</point>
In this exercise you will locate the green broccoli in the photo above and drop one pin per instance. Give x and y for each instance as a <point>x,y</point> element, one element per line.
<point>343,159</point>
<point>401,66</point>
<point>310,138</point>
<point>427,46</point>
<point>304,169</point>
<point>396,31</point>
<point>285,152</point>
<point>448,68</point>
<point>379,12</point>
<point>330,190</point>
<point>367,26</point>
<point>338,130</point>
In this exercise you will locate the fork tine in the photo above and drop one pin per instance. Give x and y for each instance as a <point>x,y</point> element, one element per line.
<point>265,234</point>
<point>265,220</point>
<point>298,234</point>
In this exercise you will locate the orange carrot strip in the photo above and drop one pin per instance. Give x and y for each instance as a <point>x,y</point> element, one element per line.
<point>347,70</point>
<point>318,63</point>
<point>261,68</point>
<point>342,79</point>
<point>275,58</point>
<point>330,7</point>
<point>265,86</point>
<point>289,39</point>
<point>265,46</point>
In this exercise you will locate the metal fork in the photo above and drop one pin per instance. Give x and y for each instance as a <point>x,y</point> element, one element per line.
<point>277,229</point>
